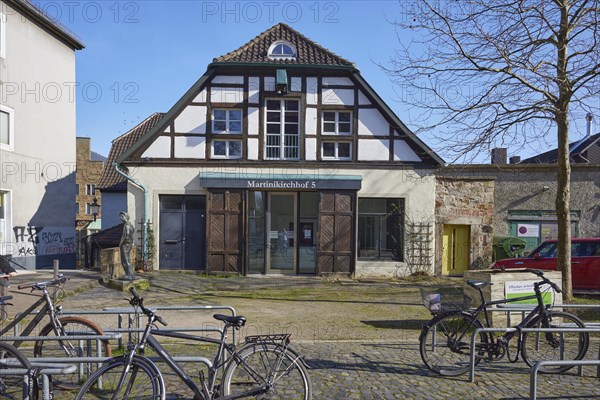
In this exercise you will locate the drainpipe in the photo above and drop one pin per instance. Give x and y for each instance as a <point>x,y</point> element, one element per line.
<point>144,225</point>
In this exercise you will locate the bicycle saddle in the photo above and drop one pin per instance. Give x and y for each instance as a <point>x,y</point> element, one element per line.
<point>238,321</point>
<point>478,284</point>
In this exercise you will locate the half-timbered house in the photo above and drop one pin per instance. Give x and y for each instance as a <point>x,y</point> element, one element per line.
<point>282,159</point>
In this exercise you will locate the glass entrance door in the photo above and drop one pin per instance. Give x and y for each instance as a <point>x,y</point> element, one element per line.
<point>281,241</point>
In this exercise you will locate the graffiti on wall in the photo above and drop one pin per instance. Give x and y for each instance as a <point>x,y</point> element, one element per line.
<point>41,241</point>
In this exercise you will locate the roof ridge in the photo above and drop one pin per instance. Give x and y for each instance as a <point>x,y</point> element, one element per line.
<point>308,51</point>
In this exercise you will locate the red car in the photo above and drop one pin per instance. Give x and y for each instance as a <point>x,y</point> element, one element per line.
<point>585,261</point>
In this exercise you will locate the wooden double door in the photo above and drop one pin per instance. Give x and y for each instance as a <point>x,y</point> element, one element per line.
<point>281,232</point>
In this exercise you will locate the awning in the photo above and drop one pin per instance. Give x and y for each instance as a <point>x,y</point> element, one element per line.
<point>269,181</point>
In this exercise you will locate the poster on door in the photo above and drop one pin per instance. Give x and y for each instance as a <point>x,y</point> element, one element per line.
<point>528,230</point>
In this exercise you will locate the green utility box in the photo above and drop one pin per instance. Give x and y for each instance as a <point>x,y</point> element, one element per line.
<point>508,247</point>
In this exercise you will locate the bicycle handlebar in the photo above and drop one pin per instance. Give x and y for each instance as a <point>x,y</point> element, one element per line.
<point>60,279</point>
<point>139,301</point>
<point>540,274</point>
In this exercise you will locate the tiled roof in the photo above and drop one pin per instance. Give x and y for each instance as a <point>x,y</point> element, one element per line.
<point>109,237</point>
<point>110,181</point>
<point>308,52</point>
<point>574,148</point>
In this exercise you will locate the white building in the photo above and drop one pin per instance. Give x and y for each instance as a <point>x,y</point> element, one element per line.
<point>37,137</point>
<point>281,159</point>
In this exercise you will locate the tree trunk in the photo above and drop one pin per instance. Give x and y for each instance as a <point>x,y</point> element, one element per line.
<point>563,207</point>
<point>563,192</point>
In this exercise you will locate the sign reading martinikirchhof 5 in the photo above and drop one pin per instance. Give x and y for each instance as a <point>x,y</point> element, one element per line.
<point>279,182</point>
<point>514,289</point>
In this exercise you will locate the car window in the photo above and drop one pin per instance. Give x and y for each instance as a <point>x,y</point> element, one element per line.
<point>578,249</point>
<point>546,250</point>
<point>594,249</point>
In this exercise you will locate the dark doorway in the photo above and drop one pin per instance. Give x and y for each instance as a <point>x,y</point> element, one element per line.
<point>182,232</point>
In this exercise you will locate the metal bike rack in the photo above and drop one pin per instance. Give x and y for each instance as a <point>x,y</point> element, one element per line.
<point>534,330</point>
<point>45,371</point>
<point>539,364</point>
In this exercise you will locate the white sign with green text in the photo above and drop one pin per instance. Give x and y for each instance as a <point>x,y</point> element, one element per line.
<point>515,289</point>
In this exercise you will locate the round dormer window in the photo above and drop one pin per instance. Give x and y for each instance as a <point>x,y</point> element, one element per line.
<point>282,49</point>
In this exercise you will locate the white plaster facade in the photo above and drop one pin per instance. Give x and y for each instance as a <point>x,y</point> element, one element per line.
<point>37,167</point>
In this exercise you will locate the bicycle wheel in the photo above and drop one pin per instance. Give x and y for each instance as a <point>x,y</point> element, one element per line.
<point>554,345</point>
<point>445,343</point>
<point>142,382</point>
<point>72,348</point>
<point>11,386</point>
<point>269,367</point>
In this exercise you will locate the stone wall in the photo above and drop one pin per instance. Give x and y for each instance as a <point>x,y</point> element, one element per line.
<point>110,262</point>
<point>532,187</point>
<point>465,201</point>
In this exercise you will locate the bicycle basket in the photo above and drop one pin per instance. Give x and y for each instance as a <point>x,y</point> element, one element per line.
<point>444,300</point>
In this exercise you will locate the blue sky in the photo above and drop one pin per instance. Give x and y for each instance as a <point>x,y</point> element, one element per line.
<point>142,56</point>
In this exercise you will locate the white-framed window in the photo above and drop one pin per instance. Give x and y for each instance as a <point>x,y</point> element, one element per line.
<point>227,149</point>
<point>7,134</point>
<point>88,208</point>
<point>337,122</point>
<point>282,49</point>
<point>336,150</point>
<point>282,130</point>
<point>90,189</point>
<point>226,120</point>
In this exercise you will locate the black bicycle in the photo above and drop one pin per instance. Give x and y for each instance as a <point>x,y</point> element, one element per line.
<point>59,326</point>
<point>11,359</point>
<point>445,341</point>
<point>263,368</point>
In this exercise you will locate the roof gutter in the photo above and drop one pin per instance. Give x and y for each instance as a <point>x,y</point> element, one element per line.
<point>350,68</point>
<point>144,223</point>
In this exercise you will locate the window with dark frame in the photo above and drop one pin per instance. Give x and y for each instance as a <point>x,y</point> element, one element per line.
<point>381,229</point>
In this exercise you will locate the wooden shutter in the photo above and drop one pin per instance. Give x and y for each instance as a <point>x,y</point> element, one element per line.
<point>336,233</point>
<point>225,231</point>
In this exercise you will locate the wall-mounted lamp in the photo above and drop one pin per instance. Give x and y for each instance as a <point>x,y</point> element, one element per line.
<point>281,82</point>
<point>95,208</point>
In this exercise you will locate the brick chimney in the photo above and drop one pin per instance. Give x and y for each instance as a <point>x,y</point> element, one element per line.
<point>499,155</point>
<point>514,159</point>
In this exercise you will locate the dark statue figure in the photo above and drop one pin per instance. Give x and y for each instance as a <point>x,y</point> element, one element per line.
<point>125,246</point>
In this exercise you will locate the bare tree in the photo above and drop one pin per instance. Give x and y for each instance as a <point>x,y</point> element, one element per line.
<point>502,73</point>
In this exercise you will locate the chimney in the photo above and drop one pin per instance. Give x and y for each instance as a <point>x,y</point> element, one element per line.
<point>589,119</point>
<point>499,155</point>
<point>515,159</point>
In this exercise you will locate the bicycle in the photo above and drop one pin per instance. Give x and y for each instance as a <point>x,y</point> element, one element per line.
<point>11,386</point>
<point>59,326</point>
<point>264,367</point>
<point>445,340</point>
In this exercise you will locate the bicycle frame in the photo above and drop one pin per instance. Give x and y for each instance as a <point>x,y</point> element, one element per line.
<point>207,390</point>
<point>539,309</point>
<point>47,308</point>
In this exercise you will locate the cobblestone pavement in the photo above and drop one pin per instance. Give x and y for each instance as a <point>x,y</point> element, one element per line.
<point>364,369</point>
<point>372,371</point>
